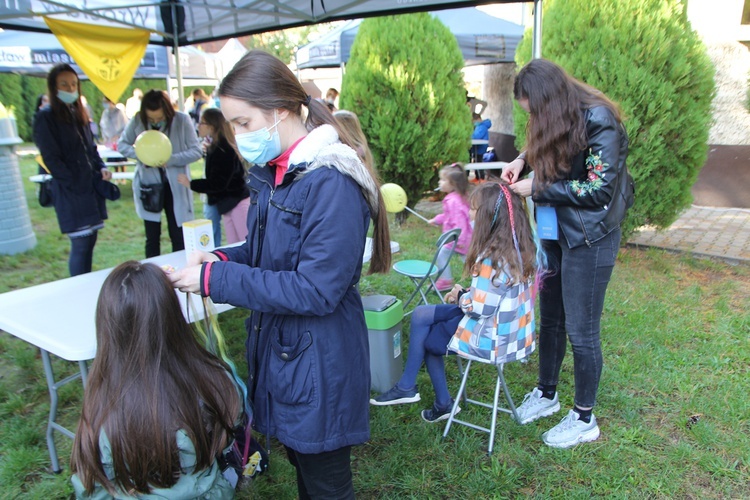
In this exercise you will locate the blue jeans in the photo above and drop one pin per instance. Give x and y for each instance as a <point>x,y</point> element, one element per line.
<point>211,212</point>
<point>571,300</point>
<point>422,319</point>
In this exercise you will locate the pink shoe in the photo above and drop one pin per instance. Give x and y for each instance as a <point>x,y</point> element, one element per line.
<point>444,285</point>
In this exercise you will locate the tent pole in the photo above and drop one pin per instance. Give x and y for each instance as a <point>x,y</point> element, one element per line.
<point>177,66</point>
<point>536,43</point>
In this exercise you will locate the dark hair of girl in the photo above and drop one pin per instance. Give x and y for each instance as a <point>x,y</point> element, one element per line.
<point>149,379</point>
<point>495,240</point>
<point>456,175</point>
<point>154,100</point>
<point>222,129</point>
<point>76,112</point>
<point>556,130</point>
<point>265,82</point>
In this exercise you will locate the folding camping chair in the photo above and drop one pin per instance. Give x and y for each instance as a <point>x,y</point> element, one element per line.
<point>424,273</point>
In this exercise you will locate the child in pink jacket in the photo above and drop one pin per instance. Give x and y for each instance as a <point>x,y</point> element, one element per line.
<point>455,215</point>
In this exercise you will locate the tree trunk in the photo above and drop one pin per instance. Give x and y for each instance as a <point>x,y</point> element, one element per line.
<point>497,90</point>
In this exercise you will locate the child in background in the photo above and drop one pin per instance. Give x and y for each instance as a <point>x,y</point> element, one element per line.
<point>481,131</point>
<point>492,253</point>
<point>455,215</point>
<point>224,185</point>
<point>158,409</point>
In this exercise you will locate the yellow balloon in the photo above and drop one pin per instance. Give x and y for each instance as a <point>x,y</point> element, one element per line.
<point>394,197</point>
<point>153,148</point>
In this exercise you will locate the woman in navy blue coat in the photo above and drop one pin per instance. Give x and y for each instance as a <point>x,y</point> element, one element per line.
<point>63,136</point>
<point>298,272</point>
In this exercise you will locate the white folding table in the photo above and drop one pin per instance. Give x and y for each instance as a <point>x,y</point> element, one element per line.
<point>58,318</point>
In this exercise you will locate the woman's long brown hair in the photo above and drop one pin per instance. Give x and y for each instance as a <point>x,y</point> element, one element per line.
<point>556,130</point>
<point>68,114</point>
<point>495,241</point>
<point>265,82</point>
<point>150,378</point>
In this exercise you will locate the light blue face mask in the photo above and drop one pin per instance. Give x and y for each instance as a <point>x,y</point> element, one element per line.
<point>260,146</point>
<point>67,97</point>
<point>157,125</point>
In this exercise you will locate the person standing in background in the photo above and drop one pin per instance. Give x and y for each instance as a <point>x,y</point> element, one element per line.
<point>64,139</point>
<point>133,104</point>
<point>224,184</point>
<point>200,100</point>
<point>157,113</point>
<point>331,96</point>
<point>112,123</point>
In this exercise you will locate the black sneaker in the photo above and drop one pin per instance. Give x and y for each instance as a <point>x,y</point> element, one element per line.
<point>396,396</point>
<point>436,414</point>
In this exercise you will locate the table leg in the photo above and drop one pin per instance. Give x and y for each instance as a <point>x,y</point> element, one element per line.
<point>53,386</point>
<point>52,411</point>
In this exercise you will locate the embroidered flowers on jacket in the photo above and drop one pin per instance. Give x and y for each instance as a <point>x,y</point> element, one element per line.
<point>595,167</point>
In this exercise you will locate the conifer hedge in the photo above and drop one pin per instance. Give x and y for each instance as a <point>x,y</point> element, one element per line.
<point>404,81</point>
<point>644,55</point>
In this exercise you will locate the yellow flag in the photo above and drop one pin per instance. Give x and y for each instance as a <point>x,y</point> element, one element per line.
<point>109,56</point>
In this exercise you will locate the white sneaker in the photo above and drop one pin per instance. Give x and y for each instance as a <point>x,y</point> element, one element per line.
<point>571,431</point>
<point>535,406</point>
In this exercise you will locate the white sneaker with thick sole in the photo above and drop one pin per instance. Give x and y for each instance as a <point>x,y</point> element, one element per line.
<point>536,406</point>
<point>571,431</point>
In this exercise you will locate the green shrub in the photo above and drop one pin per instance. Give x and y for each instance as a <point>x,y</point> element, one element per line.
<point>643,55</point>
<point>404,81</point>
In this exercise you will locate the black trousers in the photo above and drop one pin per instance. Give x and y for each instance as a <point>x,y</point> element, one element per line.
<point>153,229</point>
<point>81,254</point>
<point>326,475</point>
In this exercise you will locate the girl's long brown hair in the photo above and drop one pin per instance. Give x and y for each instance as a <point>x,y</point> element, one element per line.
<point>556,130</point>
<point>150,378</point>
<point>265,82</point>
<point>68,114</point>
<point>350,121</point>
<point>495,241</point>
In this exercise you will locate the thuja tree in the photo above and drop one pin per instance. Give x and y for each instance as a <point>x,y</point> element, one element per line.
<point>644,55</point>
<point>404,81</point>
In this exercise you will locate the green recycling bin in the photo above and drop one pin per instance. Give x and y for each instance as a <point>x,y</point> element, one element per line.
<point>383,315</point>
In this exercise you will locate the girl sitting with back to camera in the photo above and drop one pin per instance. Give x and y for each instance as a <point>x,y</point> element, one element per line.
<point>158,409</point>
<point>493,259</point>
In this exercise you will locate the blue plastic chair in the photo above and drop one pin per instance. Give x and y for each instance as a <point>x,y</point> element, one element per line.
<point>423,273</point>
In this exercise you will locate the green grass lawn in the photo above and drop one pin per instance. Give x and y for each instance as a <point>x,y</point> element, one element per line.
<point>676,336</point>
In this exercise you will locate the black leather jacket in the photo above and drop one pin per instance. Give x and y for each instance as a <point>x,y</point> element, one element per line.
<point>591,202</point>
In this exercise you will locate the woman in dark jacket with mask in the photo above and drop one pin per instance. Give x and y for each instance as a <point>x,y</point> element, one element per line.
<point>577,148</point>
<point>312,199</point>
<point>63,136</point>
